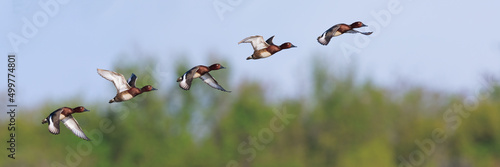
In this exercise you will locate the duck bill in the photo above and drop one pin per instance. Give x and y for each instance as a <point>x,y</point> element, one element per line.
<point>293,46</point>
<point>222,67</point>
<point>154,89</point>
<point>364,25</point>
<point>85,110</point>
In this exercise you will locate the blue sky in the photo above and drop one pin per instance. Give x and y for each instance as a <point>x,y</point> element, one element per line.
<point>443,45</point>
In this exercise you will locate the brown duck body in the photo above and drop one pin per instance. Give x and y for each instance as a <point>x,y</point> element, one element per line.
<point>126,95</point>
<point>131,93</point>
<point>343,28</point>
<point>202,70</point>
<point>263,53</point>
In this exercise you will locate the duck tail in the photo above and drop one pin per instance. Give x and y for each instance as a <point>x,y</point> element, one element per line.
<point>249,57</point>
<point>45,121</point>
<point>112,100</point>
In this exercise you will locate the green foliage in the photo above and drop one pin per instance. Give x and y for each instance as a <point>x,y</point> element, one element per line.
<point>346,124</point>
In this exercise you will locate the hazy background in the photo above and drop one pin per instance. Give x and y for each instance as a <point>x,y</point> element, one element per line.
<point>442,45</point>
<point>362,108</point>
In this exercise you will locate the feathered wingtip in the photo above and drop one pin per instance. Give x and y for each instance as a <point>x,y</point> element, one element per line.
<point>246,40</point>
<point>366,33</point>
<point>270,40</point>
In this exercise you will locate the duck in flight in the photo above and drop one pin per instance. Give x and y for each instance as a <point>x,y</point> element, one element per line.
<point>263,49</point>
<point>340,29</point>
<point>64,115</point>
<point>201,72</point>
<point>125,90</point>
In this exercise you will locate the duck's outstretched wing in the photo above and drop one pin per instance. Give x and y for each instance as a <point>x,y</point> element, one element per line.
<point>270,40</point>
<point>131,80</point>
<point>72,124</point>
<point>356,31</point>
<point>186,79</point>
<point>257,42</point>
<point>325,38</point>
<point>117,79</point>
<point>53,120</point>
<point>207,78</point>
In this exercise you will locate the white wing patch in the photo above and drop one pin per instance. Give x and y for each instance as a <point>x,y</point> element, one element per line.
<point>52,127</point>
<point>72,124</point>
<point>207,78</point>
<point>322,40</point>
<point>183,84</point>
<point>356,31</point>
<point>118,79</point>
<point>257,42</point>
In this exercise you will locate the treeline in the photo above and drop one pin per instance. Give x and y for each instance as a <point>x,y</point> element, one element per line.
<point>342,123</point>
